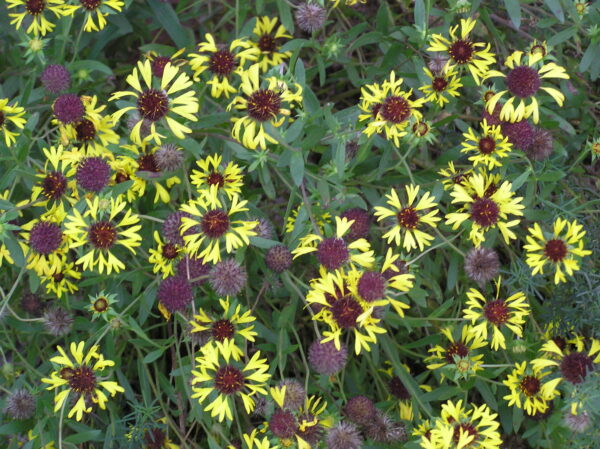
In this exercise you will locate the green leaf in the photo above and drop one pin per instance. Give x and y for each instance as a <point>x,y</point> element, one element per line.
<point>420,14</point>
<point>89,65</point>
<point>514,11</point>
<point>556,9</point>
<point>165,15</point>
<point>561,37</point>
<point>297,167</point>
<point>520,180</point>
<point>152,356</point>
<point>82,437</point>
<point>285,14</point>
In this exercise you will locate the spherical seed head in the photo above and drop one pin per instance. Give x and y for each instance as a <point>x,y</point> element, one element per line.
<point>175,293</point>
<point>45,237</point>
<point>57,321</point>
<point>520,134</point>
<point>542,145</point>
<point>278,258</point>
<point>360,227</point>
<point>482,264</point>
<point>168,157</point>
<point>575,366</point>
<point>194,270</point>
<point>398,389</point>
<point>55,78</point>
<point>171,227</point>
<point>310,17</point>
<point>360,410</point>
<point>523,81</point>
<point>371,286</point>
<point>283,424</point>
<point>227,278</point>
<point>344,436</point>
<point>68,108</point>
<point>578,423</point>
<point>332,253</point>
<point>383,429</point>
<point>437,63</point>
<point>351,149</point>
<point>264,229</point>
<point>294,394</point>
<point>93,174</point>
<point>494,117</point>
<point>20,405</point>
<point>31,303</point>
<point>325,359</point>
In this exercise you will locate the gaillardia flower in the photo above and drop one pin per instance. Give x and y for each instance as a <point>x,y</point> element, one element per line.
<point>214,226</point>
<point>444,84</point>
<point>272,104</point>
<point>160,100</point>
<point>34,9</point>
<point>99,231</point>
<point>164,257</point>
<point>564,246</point>
<point>213,178</point>
<point>528,389</point>
<point>451,175</point>
<point>489,146</point>
<point>458,353</point>
<point>98,8</point>
<point>46,245</point>
<point>388,108</point>
<point>496,313</point>
<point>220,379</point>
<point>12,115</point>
<point>80,374</point>
<point>523,82</point>
<point>410,218</point>
<point>463,51</point>
<point>268,41</point>
<point>62,280</point>
<point>222,63</point>
<point>54,188</point>
<point>483,210</point>
<point>334,252</point>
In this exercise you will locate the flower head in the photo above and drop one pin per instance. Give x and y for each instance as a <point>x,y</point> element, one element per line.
<point>443,86</point>
<point>459,353</point>
<point>36,11</point>
<point>68,108</point>
<point>11,116</point>
<point>489,146</point>
<point>175,293</point>
<point>278,258</point>
<point>344,436</point>
<point>165,257</point>
<point>325,358</point>
<point>528,388</point>
<point>227,277</point>
<point>55,78</point>
<point>20,405</point>
<point>482,264</point>
<point>268,37</point>
<point>214,178</point>
<point>310,17</point>
<point>93,174</point>
<point>95,9</point>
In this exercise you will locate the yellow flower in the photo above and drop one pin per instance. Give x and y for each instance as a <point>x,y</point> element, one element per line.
<point>159,100</point>
<point>35,10</point>
<point>453,176</point>
<point>46,244</point>
<point>462,428</point>
<point>55,187</point>
<point>409,216</point>
<point>98,8</point>
<point>334,252</point>
<point>322,217</point>
<point>164,257</point>
<point>388,108</point>
<point>63,280</point>
<point>220,379</point>
<point>464,52</point>
<point>80,374</point>
<point>272,104</point>
<point>564,246</point>
<point>509,312</point>
<point>485,210</point>
<point>459,353</point>
<point>268,41</point>
<point>99,230</point>
<point>210,226</point>
<point>11,115</point>
<point>528,389</point>
<point>489,146</point>
<point>523,82</point>
<point>443,84</point>
<point>221,63</point>
<point>341,309</point>
<point>212,179</point>
<point>224,329</point>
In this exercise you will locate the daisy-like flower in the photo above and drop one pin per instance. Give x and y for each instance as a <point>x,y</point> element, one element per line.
<point>461,428</point>
<point>272,104</point>
<point>341,309</point>
<point>101,304</point>
<point>212,227</point>
<point>462,51</point>
<point>334,252</point>
<point>537,51</point>
<point>220,379</point>
<point>164,99</point>
<point>81,375</point>
<point>489,146</point>
<point>496,313</point>
<point>99,230</point>
<point>46,244</point>
<point>34,10</point>
<point>222,63</point>
<point>4,228</point>
<point>485,211</point>
<point>165,257</point>
<point>55,186</point>
<point>213,178</point>
<point>523,82</point>
<point>459,353</point>
<point>322,217</point>
<point>452,176</point>
<point>158,62</point>
<point>528,389</point>
<point>564,246</point>
<point>224,329</point>
<point>267,38</point>
<point>11,115</point>
<point>62,280</point>
<point>98,8</point>
<point>388,108</point>
<point>410,217</point>
<point>444,84</point>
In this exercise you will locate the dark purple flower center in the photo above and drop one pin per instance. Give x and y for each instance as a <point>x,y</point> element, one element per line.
<point>222,330</point>
<point>395,109</point>
<point>457,348</point>
<point>283,424</point>
<point>461,51</point>
<point>229,380</point>
<point>575,366</point>
<point>222,63</point>
<point>158,65</point>
<point>215,178</point>
<point>408,218</point>
<point>90,5</point>
<point>215,223</point>
<point>102,234</point>
<point>169,251</point>
<point>147,162</point>
<point>523,81</point>
<point>85,130</point>
<point>332,253</point>
<point>54,185</point>
<point>267,43</point>
<point>35,7</point>
<point>398,389</point>
<point>153,104</point>
<point>484,212</point>
<point>487,145</point>
<point>530,385</point>
<point>496,312</point>
<point>346,311</point>
<point>466,428</point>
<point>264,104</point>
<point>439,84</point>
<point>81,379</point>
<point>1,119</point>
<point>555,250</point>
<point>371,286</point>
